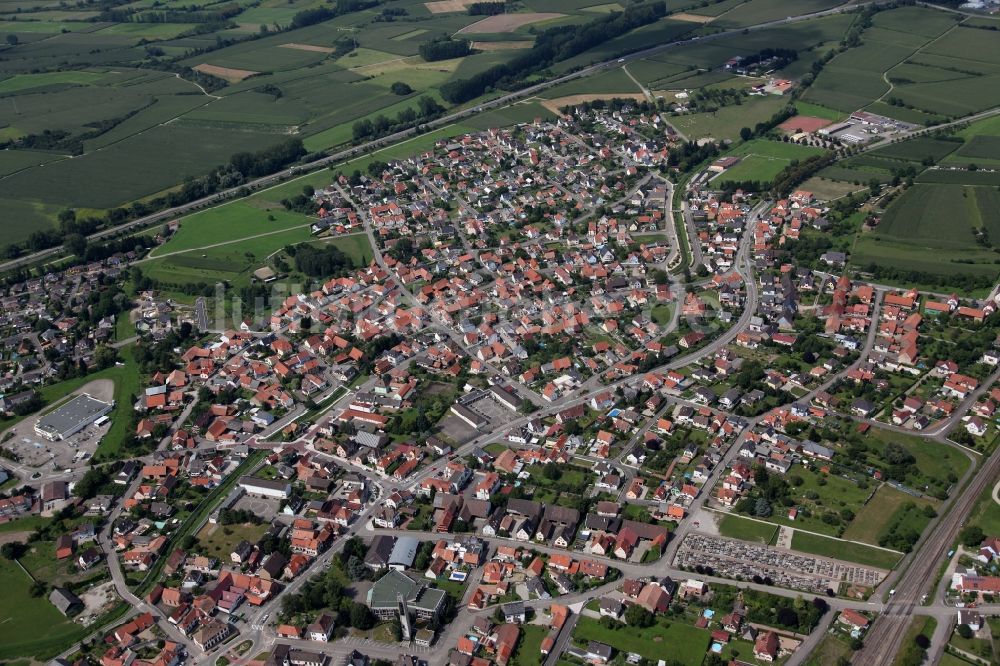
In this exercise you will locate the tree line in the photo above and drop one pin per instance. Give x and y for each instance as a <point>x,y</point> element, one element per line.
<point>326,261</point>
<point>554,45</point>
<point>232,174</point>
<point>308,17</point>
<point>365,129</point>
<point>486,8</point>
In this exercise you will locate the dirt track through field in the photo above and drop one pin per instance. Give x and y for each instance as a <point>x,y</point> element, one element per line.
<point>692,18</point>
<point>507,22</point>
<point>227,73</point>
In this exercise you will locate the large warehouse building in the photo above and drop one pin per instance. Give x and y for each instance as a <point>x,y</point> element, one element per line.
<point>72,417</point>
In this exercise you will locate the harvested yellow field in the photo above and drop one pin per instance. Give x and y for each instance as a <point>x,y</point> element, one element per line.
<point>230,74</point>
<point>501,46</point>
<point>408,64</point>
<point>308,47</point>
<point>692,18</point>
<point>557,103</point>
<point>446,6</point>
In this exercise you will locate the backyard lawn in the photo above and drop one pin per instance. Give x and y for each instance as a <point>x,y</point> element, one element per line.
<point>872,520</point>
<point>686,643</point>
<point>30,626</point>
<point>528,650</point>
<point>220,540</point>
<point>986,513</point>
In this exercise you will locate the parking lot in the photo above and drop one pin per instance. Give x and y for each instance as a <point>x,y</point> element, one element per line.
<point>37,454</point>
<point>39,458</point>
<point>263,508</point>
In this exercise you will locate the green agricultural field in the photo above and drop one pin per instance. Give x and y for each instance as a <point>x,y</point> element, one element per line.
<point>817,111</point>
<point>916,216</point>
<point>844,550</point>
<point>12,161</point>
<point>715,9</point>
<point>969,44</point>
<point>21,82</point>
<point>123,172</point>
<point>915,21</point>
<point>30,626</point>
<point>735,527</point>
<point>960,177</point>
<point>149,31</point>
<point>761,160</point>
<point>916,150</point>
<point>846,89</point>
<point>981,147</point>
<point>829,651</point>
<point>869,251</point>
<point>356,247</point>
<point>828,190</point>
<point>872,520</point>
<point>607,83</point>
<point>936,464</point>
<point>236,220</point>
<point>727,121</point>
<point>510,115</point>
<point>820,494</point>
<point>762,11</point>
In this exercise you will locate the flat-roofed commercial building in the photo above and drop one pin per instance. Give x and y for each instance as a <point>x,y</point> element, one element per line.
<point>72,417</point>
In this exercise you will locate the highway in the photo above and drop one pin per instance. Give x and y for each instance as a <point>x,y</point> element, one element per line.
<point>372,146</point>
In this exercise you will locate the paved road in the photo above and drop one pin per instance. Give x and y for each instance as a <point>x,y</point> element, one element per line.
<point>694,243</point>
<point>886,636</point>
<point>372,146</point>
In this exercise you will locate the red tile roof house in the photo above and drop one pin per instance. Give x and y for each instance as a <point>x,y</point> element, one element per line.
<point>853,618</point>
<point>767,646</point>
<point>64,547</point>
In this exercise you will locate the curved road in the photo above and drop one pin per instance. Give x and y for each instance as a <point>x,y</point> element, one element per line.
<point>444,121</point>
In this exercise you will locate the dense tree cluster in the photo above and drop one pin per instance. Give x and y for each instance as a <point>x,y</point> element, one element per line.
<point>427,109</point>
<point>445,48</point>
<point>319,14</point>
<point>486,8</point>
<point>326,261</point>
<point>799,171</point>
